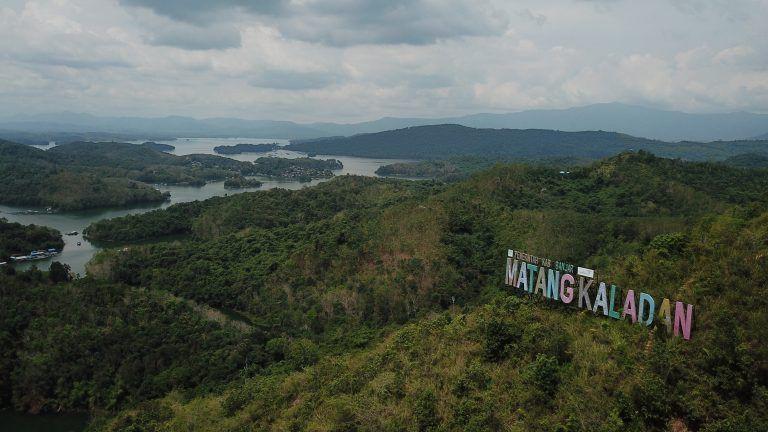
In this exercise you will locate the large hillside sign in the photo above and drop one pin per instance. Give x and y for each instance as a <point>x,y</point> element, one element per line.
<point>559,281</point>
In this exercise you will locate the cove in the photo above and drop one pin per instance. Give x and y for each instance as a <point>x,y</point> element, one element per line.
<point>77,256</point>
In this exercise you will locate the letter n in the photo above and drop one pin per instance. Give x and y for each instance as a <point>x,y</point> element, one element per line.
<point>683,319</point>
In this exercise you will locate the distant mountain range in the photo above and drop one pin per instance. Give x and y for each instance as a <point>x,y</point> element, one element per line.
<point>633,120</point>
<point>443,141</point>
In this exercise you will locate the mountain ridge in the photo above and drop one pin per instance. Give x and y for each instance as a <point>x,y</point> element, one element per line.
<point>450,140</point>
<point>617,117</point>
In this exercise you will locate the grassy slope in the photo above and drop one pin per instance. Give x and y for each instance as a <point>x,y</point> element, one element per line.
<point>522,363</point>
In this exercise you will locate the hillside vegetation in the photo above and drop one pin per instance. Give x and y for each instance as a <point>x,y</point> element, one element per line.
<point>84,175</point>
<point>748,160</point>
<point>449,140</point>
<point>16,238</point>
<point>380,304</point>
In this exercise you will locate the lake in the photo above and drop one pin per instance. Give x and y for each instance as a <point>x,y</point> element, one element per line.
<point>76,256</point>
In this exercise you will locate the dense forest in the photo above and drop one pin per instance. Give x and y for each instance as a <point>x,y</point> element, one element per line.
<point>85,175</point>
<point>748,160</point>
<point>450,169</point>
<point>16,238</point>
<point>379,304</point>
<point>302,169</point>
<point>30,176</point>
<point>241,182</point>
<point>159,146</point>
<point>444,141</point>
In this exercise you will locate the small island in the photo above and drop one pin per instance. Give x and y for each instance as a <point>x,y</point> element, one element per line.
<point>166,148</point>
<point>241,182</point>
<point>245,148</point>
<point>448,169</point>
<point>300,169</point>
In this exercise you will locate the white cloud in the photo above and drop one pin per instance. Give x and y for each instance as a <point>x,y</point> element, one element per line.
<point>348,61</point>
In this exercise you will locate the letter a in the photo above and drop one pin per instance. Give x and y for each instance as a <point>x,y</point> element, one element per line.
<point>665,316</point>
<point>629,306</point>
<point>601,300</point>
<point>522,277</point>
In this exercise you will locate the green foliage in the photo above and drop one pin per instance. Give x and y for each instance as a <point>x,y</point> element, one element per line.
<point>82,175</point>
<point>90,345</point>
<point>302,353</point>
<point>544,374</point>
<point>379,304</point>
<point>748,160</point>
<point>241,182</point>
<point>452,169</point>
<point>59,272</point>
<point>302,169</point>
<point>16,238</point>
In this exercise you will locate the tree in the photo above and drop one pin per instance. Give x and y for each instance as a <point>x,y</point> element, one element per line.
<point>59,272</point>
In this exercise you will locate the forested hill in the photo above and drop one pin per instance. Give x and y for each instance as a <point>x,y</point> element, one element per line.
<point>441,141</point>
<point>82,175</point>
<point>379,304</point>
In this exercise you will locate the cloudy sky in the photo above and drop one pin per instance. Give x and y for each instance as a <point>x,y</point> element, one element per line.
<point>345,60</point>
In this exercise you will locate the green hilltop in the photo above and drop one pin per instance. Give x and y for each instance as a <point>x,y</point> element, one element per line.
<point>379,304</point>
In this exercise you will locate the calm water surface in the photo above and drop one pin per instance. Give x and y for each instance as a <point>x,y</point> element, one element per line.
<point>78,255</point>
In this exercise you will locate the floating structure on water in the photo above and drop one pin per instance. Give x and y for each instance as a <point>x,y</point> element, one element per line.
<point>36,255</point>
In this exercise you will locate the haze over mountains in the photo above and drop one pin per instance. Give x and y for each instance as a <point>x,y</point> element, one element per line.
<point>615,117</point>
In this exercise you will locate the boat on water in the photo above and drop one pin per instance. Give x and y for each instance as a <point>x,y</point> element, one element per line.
<point>73,233</point>
<point>36,255</point>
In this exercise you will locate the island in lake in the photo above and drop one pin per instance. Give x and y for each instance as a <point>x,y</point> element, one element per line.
<point>240,182</point>
<point>245,148</point>
<point>301,169</point>
<point>85,175</point>
<point>167,148</point>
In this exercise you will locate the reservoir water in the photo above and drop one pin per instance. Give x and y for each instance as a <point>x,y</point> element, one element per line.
<point>76,256</point>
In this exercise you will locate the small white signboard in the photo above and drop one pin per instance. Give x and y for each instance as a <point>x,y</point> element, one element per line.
<point>581,271</point>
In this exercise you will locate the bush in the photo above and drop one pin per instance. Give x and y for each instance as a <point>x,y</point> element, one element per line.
<point>302,353</point>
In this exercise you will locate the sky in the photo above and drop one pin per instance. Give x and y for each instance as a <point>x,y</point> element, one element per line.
<point>346,61</point>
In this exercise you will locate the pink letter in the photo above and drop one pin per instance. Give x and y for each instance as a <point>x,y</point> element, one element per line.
<point>629,306</point>
<point>565,287</point>
<point>683,319</point>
